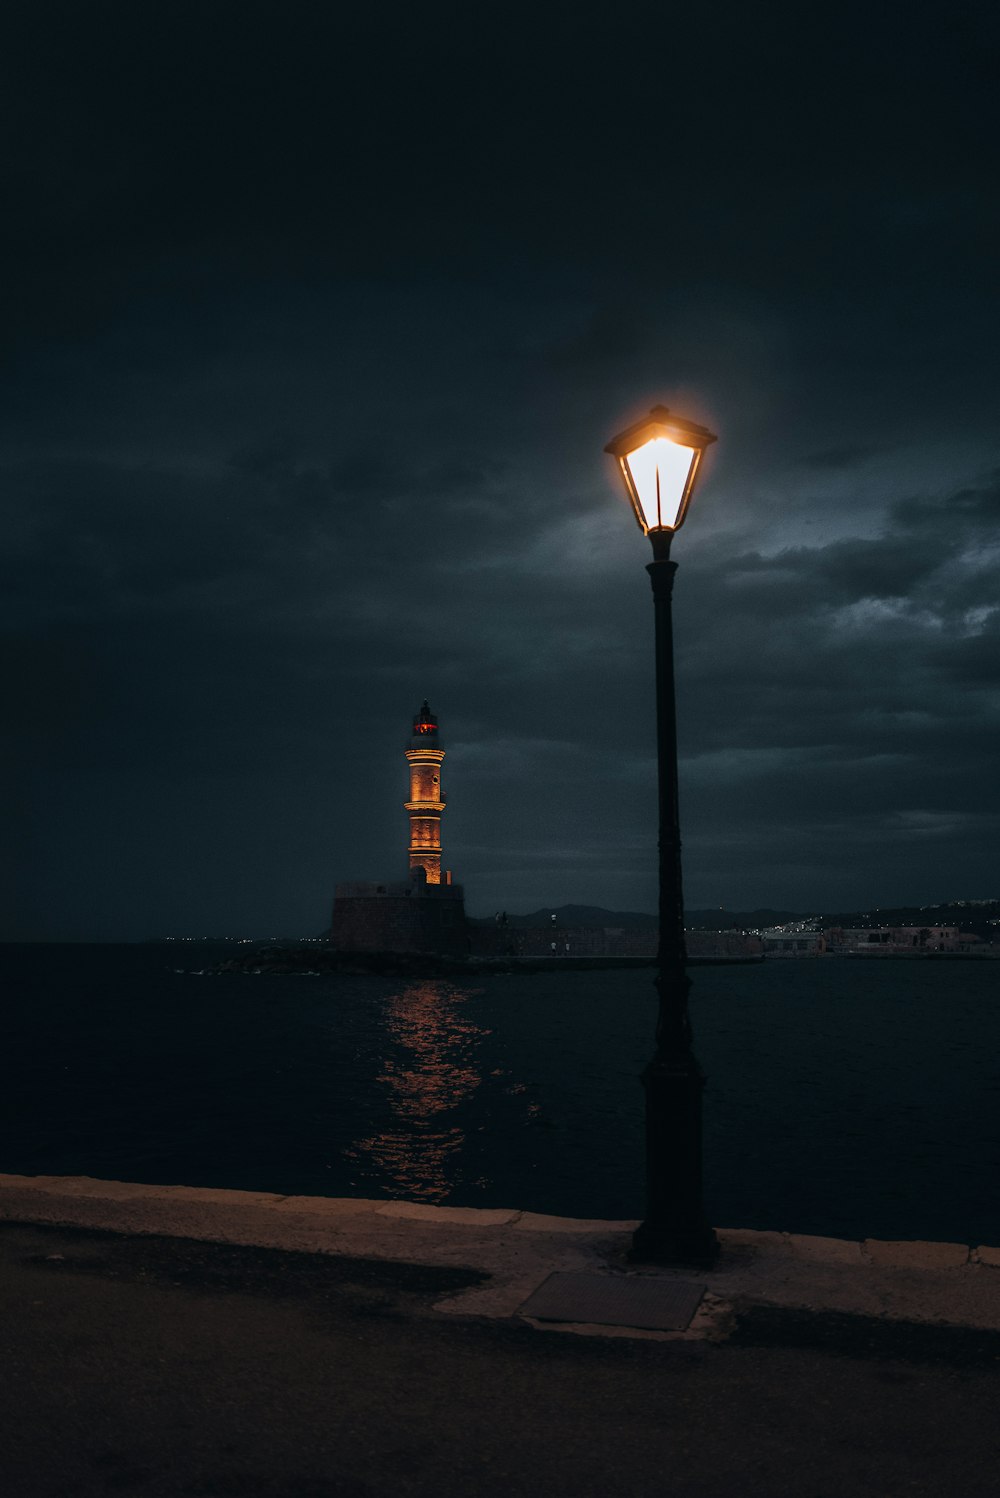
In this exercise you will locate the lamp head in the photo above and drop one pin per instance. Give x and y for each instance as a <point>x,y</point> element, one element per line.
<point>659,459</point>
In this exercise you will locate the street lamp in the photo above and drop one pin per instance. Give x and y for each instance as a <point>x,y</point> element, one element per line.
<point>659,460</point>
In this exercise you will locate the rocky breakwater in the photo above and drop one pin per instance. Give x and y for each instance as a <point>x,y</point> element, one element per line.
<point>314,962</point>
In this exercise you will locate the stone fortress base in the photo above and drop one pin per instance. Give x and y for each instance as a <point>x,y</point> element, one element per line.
<point>408,916</point>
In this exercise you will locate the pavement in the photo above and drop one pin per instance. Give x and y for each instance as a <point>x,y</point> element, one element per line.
<point>180,1340</point>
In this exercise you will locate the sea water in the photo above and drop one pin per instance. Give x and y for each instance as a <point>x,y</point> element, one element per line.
<point>851,1098</point>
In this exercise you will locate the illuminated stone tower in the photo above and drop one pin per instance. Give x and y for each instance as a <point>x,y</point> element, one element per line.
<point>426,802</point>
<point>426,912</point>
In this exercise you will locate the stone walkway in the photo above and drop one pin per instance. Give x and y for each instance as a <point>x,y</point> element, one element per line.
<point>939,1283</point>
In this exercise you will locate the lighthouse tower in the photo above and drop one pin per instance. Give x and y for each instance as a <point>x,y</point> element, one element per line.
<point>426,801</point>
<point>426,912</point>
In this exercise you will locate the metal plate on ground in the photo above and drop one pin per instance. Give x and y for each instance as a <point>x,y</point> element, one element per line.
<point>660,1305</point>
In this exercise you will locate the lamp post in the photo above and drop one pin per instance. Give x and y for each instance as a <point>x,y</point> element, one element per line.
<point>659,460</point>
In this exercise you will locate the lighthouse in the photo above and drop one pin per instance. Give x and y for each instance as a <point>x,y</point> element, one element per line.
<point>427,800</point>
<point>426,912</point>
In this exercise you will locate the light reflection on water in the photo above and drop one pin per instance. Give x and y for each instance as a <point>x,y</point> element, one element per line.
<point>429,1073</point>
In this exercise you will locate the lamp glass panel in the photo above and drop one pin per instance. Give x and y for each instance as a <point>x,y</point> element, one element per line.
<point>659,472</point>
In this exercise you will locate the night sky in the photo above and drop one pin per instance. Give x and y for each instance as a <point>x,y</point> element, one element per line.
<point>317,321</point>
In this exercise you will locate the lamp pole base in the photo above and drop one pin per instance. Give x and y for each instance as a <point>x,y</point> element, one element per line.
<point>676,1230</point>
<point>653,1244</point>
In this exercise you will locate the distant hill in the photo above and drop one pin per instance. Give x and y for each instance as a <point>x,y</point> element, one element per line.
<point>741,920</point>
<point>980,916</point>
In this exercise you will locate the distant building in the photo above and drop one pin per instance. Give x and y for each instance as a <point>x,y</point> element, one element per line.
<point>425,913</point>
<point>779,943</point>
<point>893,941</point>
<point>729,946</point>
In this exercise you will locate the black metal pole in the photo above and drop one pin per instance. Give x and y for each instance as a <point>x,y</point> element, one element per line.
<point>675,1229</point>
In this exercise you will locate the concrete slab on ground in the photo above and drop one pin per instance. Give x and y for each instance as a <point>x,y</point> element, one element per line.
<point>616,1300</point>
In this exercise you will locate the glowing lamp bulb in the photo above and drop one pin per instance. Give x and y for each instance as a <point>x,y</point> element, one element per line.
<point>659,471</point>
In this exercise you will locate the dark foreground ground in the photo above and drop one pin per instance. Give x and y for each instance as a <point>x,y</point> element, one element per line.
<point>159,1366</point>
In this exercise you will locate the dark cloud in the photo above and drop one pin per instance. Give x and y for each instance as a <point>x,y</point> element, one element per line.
<point>847,456</point>
<point>860,697</point>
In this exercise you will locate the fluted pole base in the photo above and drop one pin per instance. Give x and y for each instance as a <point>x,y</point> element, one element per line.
<point>676,1230</point>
